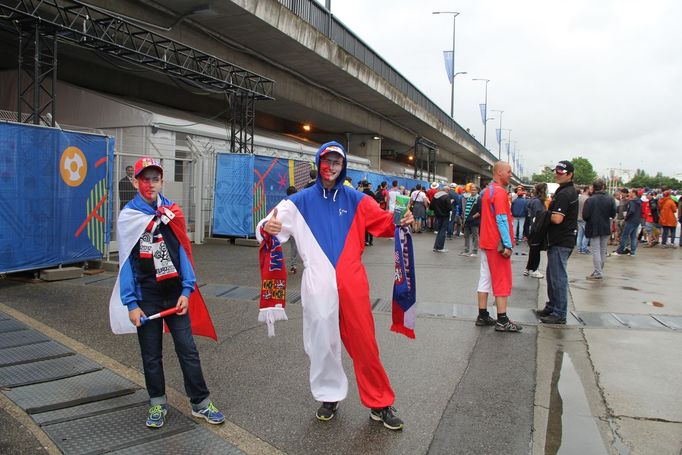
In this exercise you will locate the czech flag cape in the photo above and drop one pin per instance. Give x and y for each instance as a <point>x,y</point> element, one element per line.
<point>132,222</point>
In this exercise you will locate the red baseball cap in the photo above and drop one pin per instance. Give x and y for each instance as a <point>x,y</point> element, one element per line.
<point>146,162</point>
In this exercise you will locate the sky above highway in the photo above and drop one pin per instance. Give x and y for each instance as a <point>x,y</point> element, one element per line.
<point>598,79</point>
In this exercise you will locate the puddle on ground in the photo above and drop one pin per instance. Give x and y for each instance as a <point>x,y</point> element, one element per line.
<point>630,288</point>
<point>571,427</point>
<point>655,303</point>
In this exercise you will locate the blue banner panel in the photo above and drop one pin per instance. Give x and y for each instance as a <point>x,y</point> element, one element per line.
<point>233,200</point>
<point>54,197</point>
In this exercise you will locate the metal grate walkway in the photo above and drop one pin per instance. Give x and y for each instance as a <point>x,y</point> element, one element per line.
<point>86,409</point>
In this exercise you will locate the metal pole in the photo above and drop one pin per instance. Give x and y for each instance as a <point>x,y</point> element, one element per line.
<point>485,112</point>
<point>452,84</point>
<point>508,142</point>
<point>499,143</point>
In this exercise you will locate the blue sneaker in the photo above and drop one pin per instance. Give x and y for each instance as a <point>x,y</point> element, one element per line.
<point>156,416</point>
<point>211,414</point>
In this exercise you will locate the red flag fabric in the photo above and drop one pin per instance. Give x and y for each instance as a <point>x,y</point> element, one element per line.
<point>198,313</point>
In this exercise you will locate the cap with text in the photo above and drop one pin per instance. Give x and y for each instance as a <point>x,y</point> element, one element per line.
<point>564,167</point>
<point>145,163</point>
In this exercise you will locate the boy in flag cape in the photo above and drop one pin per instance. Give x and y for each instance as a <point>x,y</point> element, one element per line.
<point>156,273</point>
<point>328,221</point>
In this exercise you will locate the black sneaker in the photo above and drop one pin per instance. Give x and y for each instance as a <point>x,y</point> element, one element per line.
<point>388,417</point>
<point>508,326</point>
<point>485,320</point>
<point>553,319</point>
<point>543,312</point>
<point>327,410</point>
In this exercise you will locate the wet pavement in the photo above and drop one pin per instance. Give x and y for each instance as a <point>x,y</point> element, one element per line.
<point>606,383</point>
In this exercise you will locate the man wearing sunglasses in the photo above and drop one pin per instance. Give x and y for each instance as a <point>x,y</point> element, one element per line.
<point>561,238</point>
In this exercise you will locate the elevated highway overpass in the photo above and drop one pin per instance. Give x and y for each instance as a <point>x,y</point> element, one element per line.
<point>325,76</point>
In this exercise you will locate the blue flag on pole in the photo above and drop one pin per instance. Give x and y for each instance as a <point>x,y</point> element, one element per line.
<point>447,55</point>
<point>483,112</point>
<point>499,136</point>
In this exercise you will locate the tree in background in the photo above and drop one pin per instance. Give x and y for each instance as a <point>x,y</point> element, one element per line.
<point>584,172</point>
<point>545,176</point>
<point>643,180</point>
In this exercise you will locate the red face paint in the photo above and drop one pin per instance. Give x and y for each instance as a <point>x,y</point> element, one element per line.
<point>146,188</point>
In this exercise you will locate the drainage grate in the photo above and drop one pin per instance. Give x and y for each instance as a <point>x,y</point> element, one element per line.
<point>242,293</point>
<point>11,325</point>
<point>46,370</point>
<point>92,409</point>
<point>73,391</point>
<point>638,321</point>
<point>32,352</point>
<point>195,442</point>
<point>21,338</point>
<point>113,431</point>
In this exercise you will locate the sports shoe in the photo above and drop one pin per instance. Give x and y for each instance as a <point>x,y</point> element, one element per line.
<point>526,272</point>
<point>536,274</point>
<point>156,416</point>
<point>543,312</point>
<point>473,255</point>
<point>442,250</point>
<point>327,410</point>
<point>210,413</point>
<point>616,253</point>
<point>388,417</point>
<point>508,326</point>
<point>553,319</point>
<point>594,277</point>
<point>485,320</point>
<point>464,253</point>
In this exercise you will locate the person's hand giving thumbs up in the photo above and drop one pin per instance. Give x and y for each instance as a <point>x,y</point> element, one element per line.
<point>273,226</point>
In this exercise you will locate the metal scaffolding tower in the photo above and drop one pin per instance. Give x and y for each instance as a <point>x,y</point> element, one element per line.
<point>42,23</point>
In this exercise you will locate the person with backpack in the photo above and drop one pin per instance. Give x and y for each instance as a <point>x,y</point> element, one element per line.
<point>441,211</point>
<point>381,196</point>
<point>537,240</point>
<point>652,226</point>
<point>598,212</point>
<point>418,204</point>
<point>561,239</point>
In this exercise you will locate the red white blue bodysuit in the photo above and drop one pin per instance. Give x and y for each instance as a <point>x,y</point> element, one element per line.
<point>329,228</point>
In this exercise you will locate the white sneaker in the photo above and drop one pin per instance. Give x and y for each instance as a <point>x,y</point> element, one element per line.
<point>444,250</point>
<point>473,255</point>
<point>526,272</point>
<point>536,274</point>
<point>464,253</point>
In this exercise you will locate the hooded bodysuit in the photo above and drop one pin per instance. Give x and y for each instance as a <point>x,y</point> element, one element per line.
<point>329,228</point>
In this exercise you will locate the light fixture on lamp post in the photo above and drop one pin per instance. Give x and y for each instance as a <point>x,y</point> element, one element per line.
<point>485,111</point>
<point>452,83</point>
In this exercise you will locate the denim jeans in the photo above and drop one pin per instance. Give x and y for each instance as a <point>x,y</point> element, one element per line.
<point>441,225</point>
<point>582,240</point>
<point>669,231</point>
<point>629,234</point>
<point>150,337</point>
<point>518,227</point>
<point>557,279</point>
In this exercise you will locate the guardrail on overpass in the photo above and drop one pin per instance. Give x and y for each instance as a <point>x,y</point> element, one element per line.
<point>325,22</point>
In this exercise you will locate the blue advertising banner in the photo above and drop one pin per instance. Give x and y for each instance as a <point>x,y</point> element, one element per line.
<point>248,187</point>
<point>54,196</point>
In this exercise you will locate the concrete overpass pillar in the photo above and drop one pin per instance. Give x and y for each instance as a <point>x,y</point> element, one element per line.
<point>445,170</point>
<point>365,146</point>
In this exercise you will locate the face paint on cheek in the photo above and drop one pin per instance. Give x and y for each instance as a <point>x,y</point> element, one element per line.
<point>146,189</point>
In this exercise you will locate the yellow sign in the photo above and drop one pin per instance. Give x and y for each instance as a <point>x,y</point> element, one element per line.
<point>73,166</point>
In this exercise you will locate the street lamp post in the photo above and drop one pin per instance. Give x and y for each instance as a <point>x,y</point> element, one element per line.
<point>452,106</point>
<point>499,143</point>
<point>452,84</point>
<point>485,110</point>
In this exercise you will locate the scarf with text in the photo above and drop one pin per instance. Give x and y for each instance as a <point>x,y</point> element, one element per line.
<point>152,245</point>
<point>404,285</point>
<point>273,289</point>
